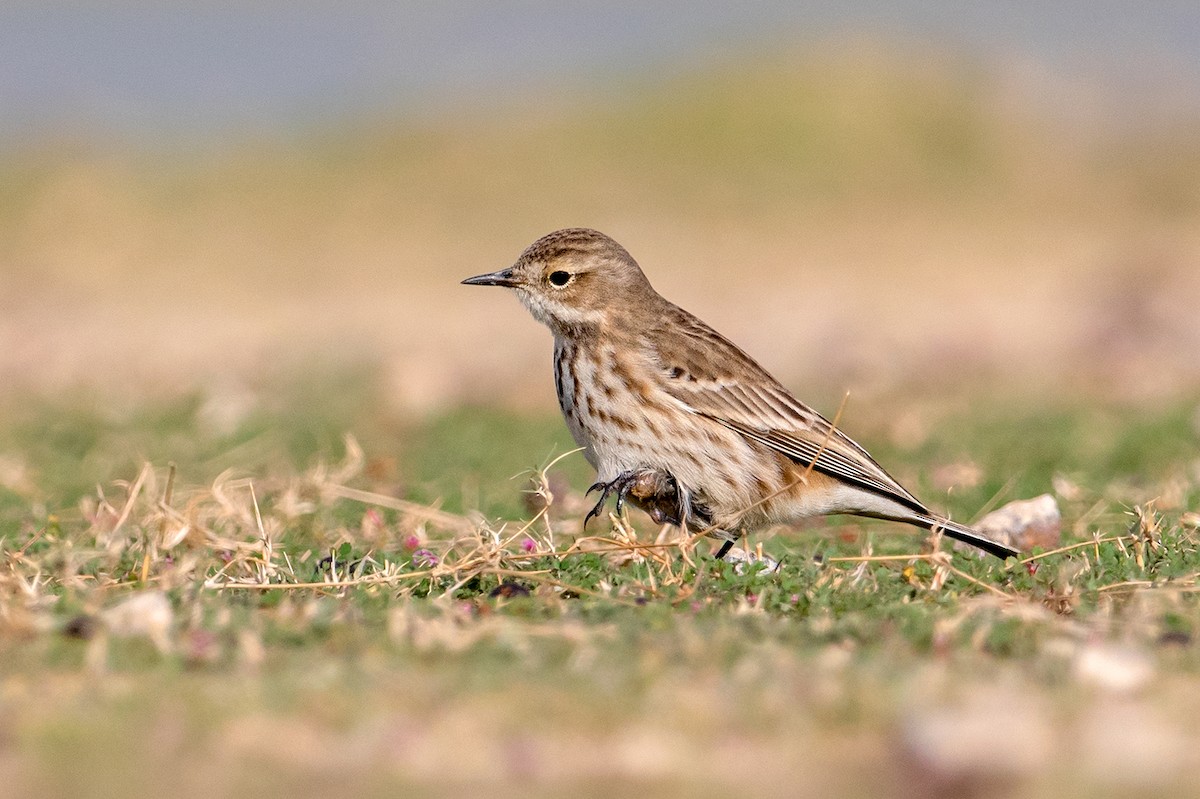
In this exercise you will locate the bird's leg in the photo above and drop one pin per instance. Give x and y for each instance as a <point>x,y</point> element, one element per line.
<point>723,550</point>
<point>624,484</point>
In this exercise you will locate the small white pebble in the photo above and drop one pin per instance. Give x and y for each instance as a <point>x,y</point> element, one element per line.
<point>743,560</point>
<point>146,614</point>
<point>1113,668</point>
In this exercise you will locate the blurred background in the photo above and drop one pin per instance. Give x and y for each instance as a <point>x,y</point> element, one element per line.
<point>872,197</point>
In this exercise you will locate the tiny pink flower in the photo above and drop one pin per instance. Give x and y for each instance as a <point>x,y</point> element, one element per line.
<point>425,558</point>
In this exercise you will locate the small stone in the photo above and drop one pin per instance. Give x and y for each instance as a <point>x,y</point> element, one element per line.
<point>744,560</point>
<point>147,614</point>
<point>1113,668</point>
<point>82,626</point>
<point>1175,638</point>
<point>509,590</point>
<point>1025,523</point>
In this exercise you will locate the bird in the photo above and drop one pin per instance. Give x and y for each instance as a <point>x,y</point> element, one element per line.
<point>679,420</point>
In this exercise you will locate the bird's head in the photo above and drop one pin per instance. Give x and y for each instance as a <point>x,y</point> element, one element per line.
<point>573,279</point>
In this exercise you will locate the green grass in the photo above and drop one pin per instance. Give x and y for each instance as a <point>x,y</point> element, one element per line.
<point>593,673</point>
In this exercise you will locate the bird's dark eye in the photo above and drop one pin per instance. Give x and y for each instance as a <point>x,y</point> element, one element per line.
<point>560,278</point>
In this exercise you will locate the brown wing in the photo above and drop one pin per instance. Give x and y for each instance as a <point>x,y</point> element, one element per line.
<point>712,377</point>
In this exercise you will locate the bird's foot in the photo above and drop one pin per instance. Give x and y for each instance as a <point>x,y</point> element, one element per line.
<point>623,483</point>
<point>658,493</point>
<point>654,491</point>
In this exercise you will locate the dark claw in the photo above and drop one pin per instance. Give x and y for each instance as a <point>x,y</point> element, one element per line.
<point>622,484</point>
<point>605,489</point>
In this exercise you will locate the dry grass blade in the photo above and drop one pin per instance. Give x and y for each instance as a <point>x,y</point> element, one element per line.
<point>134,493</point>
<point>1071,547</point>
<point>441,518</point>
<point>930,556</point>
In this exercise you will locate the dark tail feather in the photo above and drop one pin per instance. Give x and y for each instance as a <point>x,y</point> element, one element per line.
<point>961,532</point>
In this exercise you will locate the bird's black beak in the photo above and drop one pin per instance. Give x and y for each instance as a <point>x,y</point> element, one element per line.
<point>505,277</point>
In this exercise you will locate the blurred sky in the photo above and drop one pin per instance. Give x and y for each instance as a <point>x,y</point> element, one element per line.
<point>202,70</point>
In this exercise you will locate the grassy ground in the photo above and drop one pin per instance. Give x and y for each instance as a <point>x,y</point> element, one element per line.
<point>217,604</point>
